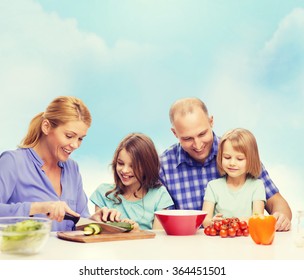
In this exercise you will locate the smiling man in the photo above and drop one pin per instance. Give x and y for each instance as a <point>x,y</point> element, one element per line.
<point>188,166</point>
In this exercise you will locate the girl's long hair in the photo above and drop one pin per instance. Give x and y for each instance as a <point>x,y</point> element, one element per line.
<point>145,163</point>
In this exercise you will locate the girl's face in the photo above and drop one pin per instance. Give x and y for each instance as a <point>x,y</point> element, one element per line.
<point>233,162</point>
<point>124,170</point>
<point>64,139</point>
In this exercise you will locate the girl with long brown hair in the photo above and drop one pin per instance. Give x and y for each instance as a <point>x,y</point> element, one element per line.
<point>137,192</point>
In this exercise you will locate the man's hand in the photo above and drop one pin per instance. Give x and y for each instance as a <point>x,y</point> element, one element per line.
<point>279,208</point>
<point>283,223</point>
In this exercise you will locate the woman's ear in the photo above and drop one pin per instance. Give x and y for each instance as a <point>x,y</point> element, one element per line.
<point>45,126</point>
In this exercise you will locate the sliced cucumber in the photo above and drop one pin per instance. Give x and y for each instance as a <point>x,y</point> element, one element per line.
<point>88,230</point>
<point>92,229</point>
<point>97,228</point>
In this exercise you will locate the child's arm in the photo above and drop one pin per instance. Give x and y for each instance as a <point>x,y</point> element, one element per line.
<point>258,207</point>
<point>209,208</point>
<point>157,224</point>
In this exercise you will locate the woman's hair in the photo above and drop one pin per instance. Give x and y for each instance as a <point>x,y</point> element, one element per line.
<point>61,110</point>
<point>242,140</point>
<point>145,163</point>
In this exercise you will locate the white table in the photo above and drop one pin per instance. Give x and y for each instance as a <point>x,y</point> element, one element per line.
<point>164,247</point>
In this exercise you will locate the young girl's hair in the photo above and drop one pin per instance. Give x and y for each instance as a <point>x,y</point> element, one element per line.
<point>145,163</point>
<point>242,140</point>
<point>60,111</point>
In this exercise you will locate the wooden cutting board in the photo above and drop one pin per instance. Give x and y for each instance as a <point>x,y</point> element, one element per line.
<point>78,236</point>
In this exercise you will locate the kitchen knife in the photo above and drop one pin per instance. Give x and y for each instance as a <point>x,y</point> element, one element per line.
<point>80,223</point>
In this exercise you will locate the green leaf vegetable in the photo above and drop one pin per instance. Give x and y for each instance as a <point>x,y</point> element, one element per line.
<point>24,237</point>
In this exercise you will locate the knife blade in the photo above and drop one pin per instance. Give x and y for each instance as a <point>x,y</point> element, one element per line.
<point>81,222</point>
<point>106,227</point>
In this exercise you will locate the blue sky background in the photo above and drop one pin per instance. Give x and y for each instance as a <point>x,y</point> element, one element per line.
<point>130,60</point>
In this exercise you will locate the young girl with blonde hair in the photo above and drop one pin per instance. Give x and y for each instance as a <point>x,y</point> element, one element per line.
<point>239,193</point>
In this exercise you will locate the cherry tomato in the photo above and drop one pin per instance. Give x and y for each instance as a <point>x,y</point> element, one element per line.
<point>246,232</point>
<point>217,225</point>
<point>223,233</point>
<point>207,230</point>
<point>231,232</point>
<point>243,225</point>
<point>224,227</point>
<point>228,227</point>
<point>213,231</point>
<point>226,221</point>
<point>235,225</point>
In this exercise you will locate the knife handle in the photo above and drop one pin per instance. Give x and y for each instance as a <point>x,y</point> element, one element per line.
<point>71,218</point>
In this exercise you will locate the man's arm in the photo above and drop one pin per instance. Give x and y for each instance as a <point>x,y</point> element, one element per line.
<point>278,206</point>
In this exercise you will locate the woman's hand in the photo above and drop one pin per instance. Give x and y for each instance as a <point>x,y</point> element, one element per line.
<point>105,214</point>
<point>55,210</point>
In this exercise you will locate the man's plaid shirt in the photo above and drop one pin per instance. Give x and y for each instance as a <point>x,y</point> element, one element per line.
<point>187,179</point>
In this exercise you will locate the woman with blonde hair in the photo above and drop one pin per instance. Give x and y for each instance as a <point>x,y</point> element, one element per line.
<point>239,192</point>
<point>39,178</point>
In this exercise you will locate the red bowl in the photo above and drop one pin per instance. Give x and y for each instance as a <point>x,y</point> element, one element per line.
<point>181,222</point>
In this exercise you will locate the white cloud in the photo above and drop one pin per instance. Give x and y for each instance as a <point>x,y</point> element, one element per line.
<point>262,88</point>
<point>41,57</point>
<point>290,30</point>
<point>282,60</point>
<point>43,42</point>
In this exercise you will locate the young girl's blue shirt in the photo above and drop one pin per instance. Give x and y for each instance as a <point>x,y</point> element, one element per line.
<point>140,211</point>
<point>22,181</point>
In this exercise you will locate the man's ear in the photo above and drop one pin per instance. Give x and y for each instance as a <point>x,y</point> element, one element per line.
<point>211,121</point>
<point>45,126</point>
<point>174,132</point>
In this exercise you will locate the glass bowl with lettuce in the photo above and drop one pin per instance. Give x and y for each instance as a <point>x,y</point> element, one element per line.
<point>23,235</point>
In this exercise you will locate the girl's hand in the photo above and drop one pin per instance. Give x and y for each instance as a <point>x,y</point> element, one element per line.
<point>105,214</point>
<point>217,217</point>
<point>135,225</point>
